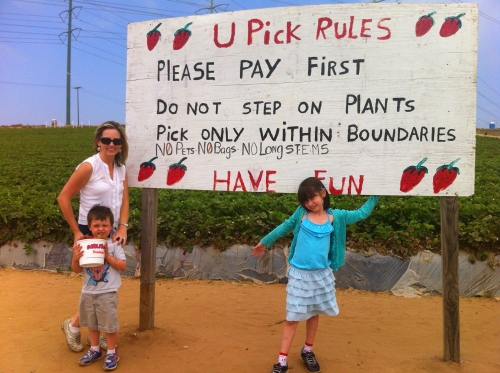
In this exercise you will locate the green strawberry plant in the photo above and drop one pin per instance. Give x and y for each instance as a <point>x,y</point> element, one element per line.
<point>399,225</point>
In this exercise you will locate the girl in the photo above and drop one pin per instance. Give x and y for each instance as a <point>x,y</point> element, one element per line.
<point>318,246</point>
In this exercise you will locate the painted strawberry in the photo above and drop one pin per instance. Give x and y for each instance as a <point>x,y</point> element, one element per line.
<point>181,36</point>
<point>152,37</point>
<point>445,176</point>
<point>424,24</point>
<point>451,25</point>
<point>412,176</point>
<point>176,172</point>
<point>146,169</point>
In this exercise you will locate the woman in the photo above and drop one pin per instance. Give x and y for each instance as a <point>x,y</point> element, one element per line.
<point>100,179</point>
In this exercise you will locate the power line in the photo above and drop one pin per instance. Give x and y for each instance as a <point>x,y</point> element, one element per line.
<point>33,84</point>
<point>104,58</point>
<point>488,86</point>
<point>105,51</point>
<point>102,3</point>
<point>493,102</point>
<point>488,112</point>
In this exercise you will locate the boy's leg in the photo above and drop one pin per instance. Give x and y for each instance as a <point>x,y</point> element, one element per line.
<point>112,358</point>
<point>94,353</point>
<point>111,338</point>
<point>108,320</point>
<point>94,338</point>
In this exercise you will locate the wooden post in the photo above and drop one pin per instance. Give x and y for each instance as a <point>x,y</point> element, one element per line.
<point>148,258</point>
<point>449,251</point>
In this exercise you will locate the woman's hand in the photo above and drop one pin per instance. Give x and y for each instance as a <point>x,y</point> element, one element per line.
<point>78,236</point>
<point>258,250</point>
<point>120,236</point>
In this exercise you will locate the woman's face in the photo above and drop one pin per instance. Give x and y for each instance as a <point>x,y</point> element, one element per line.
<point>109,149</point>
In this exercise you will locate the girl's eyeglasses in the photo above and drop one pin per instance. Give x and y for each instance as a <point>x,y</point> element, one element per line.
<point>107,141</point>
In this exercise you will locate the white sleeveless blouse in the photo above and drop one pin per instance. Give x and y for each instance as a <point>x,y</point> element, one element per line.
<point>102,190</point>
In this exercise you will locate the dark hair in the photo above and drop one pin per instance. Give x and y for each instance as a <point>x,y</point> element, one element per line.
<point>309,188</point>
<point>99,212</point>
<point>121,157</point>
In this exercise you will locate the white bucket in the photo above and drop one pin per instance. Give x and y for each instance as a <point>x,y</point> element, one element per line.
<point>93,252</point>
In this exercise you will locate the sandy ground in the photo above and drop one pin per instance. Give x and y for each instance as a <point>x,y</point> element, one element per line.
<point>219,326</point>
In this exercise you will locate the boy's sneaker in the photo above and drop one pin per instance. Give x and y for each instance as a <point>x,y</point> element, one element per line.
<point>309,360</point>
<point>72,339</point>
<point>89,357</point>
<point>111,361</point>
<point>103,342</point>
<point>278,368</point>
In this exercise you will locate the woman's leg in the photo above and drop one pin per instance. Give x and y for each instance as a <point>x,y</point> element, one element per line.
<point>75,320</point>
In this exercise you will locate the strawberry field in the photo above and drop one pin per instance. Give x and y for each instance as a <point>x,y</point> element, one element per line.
<point>36,163</point>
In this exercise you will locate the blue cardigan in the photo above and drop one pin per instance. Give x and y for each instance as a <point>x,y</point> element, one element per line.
<point>341,218</point>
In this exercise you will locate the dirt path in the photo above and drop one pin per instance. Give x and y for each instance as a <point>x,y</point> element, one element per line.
<point>219,326</point>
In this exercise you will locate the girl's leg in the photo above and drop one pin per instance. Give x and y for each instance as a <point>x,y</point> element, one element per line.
<point>311,328</point>
<point>287,337</point>
<point>306,353</point>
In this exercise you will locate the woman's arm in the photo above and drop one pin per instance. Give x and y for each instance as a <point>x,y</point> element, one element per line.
<point>76,182</point>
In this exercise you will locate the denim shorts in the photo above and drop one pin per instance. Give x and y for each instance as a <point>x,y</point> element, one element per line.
<point>98,311</point>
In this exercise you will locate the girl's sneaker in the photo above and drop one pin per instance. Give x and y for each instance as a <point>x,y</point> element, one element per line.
<point>89,357</point>
<point>310,361</point>
<point>278,368</point>
<point>111,361</point>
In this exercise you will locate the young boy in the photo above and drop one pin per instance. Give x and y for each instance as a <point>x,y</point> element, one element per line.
<point>99,300</point>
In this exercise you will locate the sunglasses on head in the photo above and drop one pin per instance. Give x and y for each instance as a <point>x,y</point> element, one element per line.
<point>107,141</point>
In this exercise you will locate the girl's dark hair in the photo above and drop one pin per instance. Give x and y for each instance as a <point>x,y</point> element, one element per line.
<point>121,157</point>
<point>309,188</point>
<point>99,212</point>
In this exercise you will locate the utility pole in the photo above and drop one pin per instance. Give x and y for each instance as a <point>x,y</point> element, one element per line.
<point>78,105</point>
<point>211,8</point>
<point>68,63</point>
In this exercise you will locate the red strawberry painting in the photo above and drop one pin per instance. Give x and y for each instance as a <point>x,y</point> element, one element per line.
<point>176,172</point>
<point>412,176</point>
<point>182,36</point>
<point>146,169</point>
<point>424,24</point>
<point>451,25</point>
<point>445,176</point>
<point>153,36</point>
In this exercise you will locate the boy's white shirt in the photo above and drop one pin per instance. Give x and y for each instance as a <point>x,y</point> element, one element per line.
<point>105,278</point>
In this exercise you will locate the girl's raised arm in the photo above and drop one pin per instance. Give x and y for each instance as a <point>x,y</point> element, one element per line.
<point>363,212</point>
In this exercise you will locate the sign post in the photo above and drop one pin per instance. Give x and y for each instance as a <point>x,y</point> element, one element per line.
<point>373,99</point>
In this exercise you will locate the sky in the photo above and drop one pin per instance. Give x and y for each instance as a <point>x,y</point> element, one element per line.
<point>33,54</point>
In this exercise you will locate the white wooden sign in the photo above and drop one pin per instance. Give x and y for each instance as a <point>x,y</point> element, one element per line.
<point>370,98</point>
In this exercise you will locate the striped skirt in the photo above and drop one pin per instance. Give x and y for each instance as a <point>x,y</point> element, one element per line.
<point>310,293</point>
